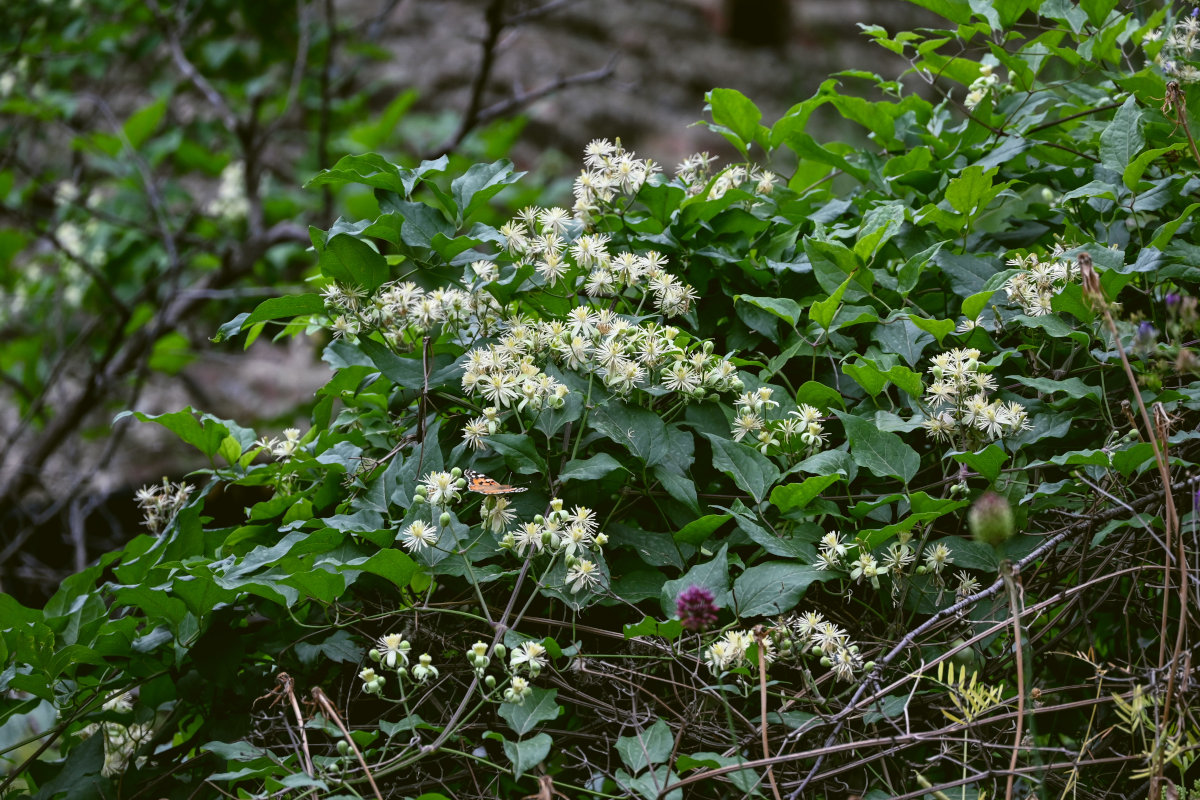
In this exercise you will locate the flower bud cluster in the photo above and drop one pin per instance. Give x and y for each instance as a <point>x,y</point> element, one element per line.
<point>811,633</point>
<point>610,171</point>
<point>391,652</point>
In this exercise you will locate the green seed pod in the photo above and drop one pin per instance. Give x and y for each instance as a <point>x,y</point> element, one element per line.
<point>991,519</point>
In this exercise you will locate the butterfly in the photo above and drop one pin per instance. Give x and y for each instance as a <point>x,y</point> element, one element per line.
<point>478,482</point>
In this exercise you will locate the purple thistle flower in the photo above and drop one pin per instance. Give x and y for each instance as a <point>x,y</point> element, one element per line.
<point>695,608</point>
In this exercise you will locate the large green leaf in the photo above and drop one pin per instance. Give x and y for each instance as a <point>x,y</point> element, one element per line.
<point>885,454</point>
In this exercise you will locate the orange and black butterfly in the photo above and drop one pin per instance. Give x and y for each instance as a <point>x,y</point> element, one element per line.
<point>478,482</point>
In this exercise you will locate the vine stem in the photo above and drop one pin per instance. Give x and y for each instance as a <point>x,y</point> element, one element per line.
<point>1093,291</point>
<point>1009,576</point>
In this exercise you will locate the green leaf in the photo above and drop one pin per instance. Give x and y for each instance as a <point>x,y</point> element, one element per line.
<point>521,453</point>
<point>753,472</point>
<point>1122,140</point>
<point>205,434</point>
<point>791,496</point>
<point>642,432</point>
<point>822,311</point>
<point>143,122</point>
<point>735,112</point>
<point>290,305</point>
<point>480,183</point>
<point>1074,388</point>
<point>973,306</point>
<point>698,530</point>
<point>785,308</point>
<point>351,262</point>
<point>885,454</point>
<point>1132,174</point>
<point>879,225</point>
<point>526,754</point>
<point>540,706</point>
<point>774,588</point>
<point>939,328</point>
<point>972,191</point>
<point>646,747</point>
<point>598,466</point>
<point>987,462</point>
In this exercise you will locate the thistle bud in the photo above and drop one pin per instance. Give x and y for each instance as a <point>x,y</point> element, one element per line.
<point>991,519</point>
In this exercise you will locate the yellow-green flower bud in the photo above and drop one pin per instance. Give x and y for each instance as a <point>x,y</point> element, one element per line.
<point>444,519</point>
<point>490,682</point>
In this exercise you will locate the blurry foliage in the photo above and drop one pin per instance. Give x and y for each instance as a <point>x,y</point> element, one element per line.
<point>669,492</point>
<point>151,158</point>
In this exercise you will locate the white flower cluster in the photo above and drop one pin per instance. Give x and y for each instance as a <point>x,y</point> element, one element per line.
<point>980,87</point>
<point>1181,43</point>
<point>729,652</point>
<point>813,633</point>
<point>572,534</point>
<point>609,171</point>
<point>230,204</point>
<point>803,423</point>
<point>1034,287</point>
<point>283,449</point>
<point>121,742</point>
<point>626,356</point>
<point>959,405</point>
<point>801,633</point>
<point>695,170</point>
<point>835,553</point>
<point>546,239</point>
<point>403,311</point>
<point>160,504</point>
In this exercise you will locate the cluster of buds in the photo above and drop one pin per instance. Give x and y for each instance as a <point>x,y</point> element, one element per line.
<point>730,651</point>
<point>160,504</point>
<point>372,681</point>
<point>391,652</point>
<point>835,553</point>
<point>518,689</point>
<point>479,658</point>
<point>959,405</point>
<point>403,312</point>
<point>572,534</point>
<point>776,435</point>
